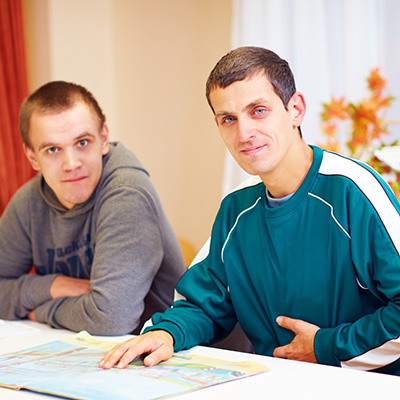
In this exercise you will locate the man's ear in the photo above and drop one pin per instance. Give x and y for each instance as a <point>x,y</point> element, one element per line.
<point>104,138</point>
<point>31,156</point>
<point>297,106</point>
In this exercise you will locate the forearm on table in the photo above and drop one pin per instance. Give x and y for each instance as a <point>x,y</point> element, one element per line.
<point>112,307</point>
<point>21,295</point>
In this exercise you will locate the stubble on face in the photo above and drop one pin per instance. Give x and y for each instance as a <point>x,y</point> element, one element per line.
<point>68,149</point>
<point>260,133</point>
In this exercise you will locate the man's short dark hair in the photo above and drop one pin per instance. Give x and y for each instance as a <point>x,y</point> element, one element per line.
<point>53,98</point>
<point>245,62</point>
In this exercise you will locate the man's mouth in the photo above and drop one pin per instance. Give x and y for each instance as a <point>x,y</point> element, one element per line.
<point>252,150</point>
<point>74,179</point>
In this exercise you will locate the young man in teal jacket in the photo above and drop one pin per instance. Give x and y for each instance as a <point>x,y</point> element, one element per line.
<point>305,256</point>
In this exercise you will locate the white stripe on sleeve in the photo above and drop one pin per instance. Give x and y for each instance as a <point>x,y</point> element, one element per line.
<point>333,164</point>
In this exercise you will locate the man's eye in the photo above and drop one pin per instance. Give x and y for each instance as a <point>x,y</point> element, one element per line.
<point>52,150</point>
<point>259,111</point>
<point>228,119</point>
<point>83,143</point>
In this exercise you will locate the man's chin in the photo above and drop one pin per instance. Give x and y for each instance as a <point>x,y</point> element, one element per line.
<point>72,202</point>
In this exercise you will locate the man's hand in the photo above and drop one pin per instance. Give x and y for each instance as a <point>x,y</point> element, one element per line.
<point>65,286</point>
<point>302,346</point>
<point>159,345</point>
<point>31,315</point>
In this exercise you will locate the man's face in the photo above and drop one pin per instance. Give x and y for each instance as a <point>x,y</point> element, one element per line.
<point>255,126</point>
<point>67,148</point>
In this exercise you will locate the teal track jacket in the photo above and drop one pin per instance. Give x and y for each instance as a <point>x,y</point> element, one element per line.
<point>328,256</point>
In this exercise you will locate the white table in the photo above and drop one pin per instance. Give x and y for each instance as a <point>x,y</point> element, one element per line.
<point>286,380</point>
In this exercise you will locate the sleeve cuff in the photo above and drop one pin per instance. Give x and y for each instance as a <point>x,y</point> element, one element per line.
<point>324,348</point>
<point>39,290</point>
<point>171,328</point>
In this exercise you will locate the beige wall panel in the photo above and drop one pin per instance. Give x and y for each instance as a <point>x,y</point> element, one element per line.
<point>165,51</point>
<point>147,63</point>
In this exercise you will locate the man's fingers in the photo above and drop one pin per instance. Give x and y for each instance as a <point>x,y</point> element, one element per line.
<point>157,344</point>
<point>287,323</point>
<point>296,325</point>
<point>31,315</point>
<point>67,286</point>
<point>161,354</point>
<point>127,356</point>
<point>302,346</point>
<point>119,352</point>
<point>280,352</point>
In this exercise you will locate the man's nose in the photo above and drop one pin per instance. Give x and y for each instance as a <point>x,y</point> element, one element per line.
<point>71,160</point>
<point>246,130</point>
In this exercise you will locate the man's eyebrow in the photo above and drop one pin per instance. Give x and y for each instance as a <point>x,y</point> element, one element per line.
<point>222,113</point>
<point>248,107</point>
<point>77,139</point>
<point>84,135</point>
<point>256,103</point>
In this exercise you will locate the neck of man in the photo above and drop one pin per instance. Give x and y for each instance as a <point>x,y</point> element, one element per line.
<point>290,174</point>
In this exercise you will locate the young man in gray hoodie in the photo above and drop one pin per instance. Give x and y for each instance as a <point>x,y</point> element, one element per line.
<point>90,223</point>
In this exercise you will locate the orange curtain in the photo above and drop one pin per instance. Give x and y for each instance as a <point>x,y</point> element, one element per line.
<point>14,167</point>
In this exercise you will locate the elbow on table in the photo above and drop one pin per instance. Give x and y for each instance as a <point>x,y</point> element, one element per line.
<point>113,324</point>
<point>113,327</point>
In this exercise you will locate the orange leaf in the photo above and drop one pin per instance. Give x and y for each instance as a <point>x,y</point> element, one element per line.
<point>375,82</point>
<point>329,129</point>
<point>335,109</point>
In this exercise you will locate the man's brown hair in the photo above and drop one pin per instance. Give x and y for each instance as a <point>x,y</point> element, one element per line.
<point>245,62</point>
<point>53,98</point>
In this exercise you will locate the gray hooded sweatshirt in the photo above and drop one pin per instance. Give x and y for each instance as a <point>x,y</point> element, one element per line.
<point>119,238</point>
